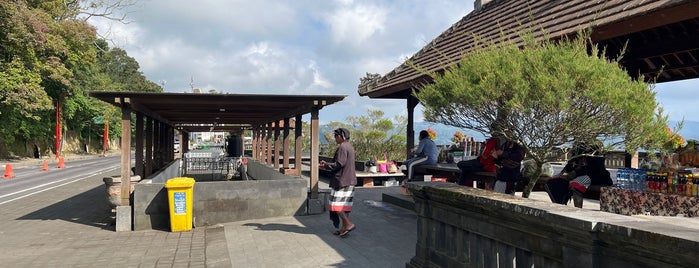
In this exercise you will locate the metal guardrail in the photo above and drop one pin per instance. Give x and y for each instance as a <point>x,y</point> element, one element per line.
<point>215,168</point>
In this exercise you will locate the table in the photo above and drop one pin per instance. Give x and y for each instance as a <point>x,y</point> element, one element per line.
<point>366,179</point>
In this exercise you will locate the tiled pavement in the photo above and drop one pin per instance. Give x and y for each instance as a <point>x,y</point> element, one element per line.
<point>72,226</point>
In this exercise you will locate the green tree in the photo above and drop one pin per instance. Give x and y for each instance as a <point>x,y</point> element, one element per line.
<point>372,135</point>
<point>543,95</point>
<point>49,54</point>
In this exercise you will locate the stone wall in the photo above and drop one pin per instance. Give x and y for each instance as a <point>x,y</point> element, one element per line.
<point>467,227</point>
<point>271,194</point>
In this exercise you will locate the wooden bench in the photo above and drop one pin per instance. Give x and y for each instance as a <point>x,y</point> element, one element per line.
<point>452,173</point>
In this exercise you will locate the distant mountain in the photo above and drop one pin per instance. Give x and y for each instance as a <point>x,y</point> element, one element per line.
<point>444,132</point>
<point>690,129</point>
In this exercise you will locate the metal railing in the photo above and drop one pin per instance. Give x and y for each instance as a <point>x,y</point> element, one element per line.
<point>203,168</point>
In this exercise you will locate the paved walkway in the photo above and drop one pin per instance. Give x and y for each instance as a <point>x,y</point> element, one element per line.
<point>72,226</point>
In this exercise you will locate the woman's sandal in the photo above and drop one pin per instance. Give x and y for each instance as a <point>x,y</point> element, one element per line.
<point>345,233</point>
<point>337,232</point>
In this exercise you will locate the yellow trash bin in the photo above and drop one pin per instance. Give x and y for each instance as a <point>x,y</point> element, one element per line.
<point>180,200</point>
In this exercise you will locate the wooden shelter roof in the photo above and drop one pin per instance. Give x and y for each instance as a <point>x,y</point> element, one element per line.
<point>196,112</point>
<point>662,35</point>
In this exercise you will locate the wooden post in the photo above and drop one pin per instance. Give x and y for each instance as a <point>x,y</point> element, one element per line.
<point>138,166</point>
<point>410,131</point>
<point>149,147</point>
<point>157,153</point>
<point>298,144</point>
<point>287,152</point>
<point>269,143</point>
<point>314,152</point>
<point>125,154</point>
<point>184,143</point>
<point>277,148</point>
<point>255,141</point>
<point>263,143</point>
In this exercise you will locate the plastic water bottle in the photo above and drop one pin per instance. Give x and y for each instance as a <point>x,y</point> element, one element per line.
<point>620,175</point>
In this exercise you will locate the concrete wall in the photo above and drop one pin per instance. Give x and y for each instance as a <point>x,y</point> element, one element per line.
<point>271,194</point>
<point>172,170</point>
<point>467,227</point>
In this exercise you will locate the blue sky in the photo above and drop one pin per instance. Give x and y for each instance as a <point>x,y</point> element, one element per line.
<point>300,47</point>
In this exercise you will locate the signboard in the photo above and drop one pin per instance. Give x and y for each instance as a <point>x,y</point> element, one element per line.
<point>180,203</point>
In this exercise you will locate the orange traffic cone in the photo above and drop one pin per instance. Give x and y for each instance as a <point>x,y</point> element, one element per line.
<point>45,167</point>
<point>8,172</point>
<point>61,163</point>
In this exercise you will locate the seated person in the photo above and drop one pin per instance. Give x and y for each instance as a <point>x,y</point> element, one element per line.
<point>584,169</point>
<point>509,163</point>
<point>484,162</point>
<point>425,154</point>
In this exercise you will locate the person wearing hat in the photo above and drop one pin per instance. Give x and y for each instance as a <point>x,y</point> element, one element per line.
<point>343,181</point>
<point>585,168</point>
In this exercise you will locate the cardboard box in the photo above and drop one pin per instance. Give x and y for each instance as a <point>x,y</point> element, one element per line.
<point>367,182</point>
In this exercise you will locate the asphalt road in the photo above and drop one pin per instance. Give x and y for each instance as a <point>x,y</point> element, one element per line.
<point>30,179</point>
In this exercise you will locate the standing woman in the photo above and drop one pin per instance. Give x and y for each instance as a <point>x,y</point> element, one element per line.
<point>343,180</point>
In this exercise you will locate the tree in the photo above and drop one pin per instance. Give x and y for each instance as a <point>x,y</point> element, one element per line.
<point>543,95</point>
<point>48,57</point>
<point>372,135</point>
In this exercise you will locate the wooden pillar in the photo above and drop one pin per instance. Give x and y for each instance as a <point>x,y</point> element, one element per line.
<point>277,148</point>
<point>269,144</point>
<point>170,142</point>
<point>410,128</point>
<point>149,147</point>
<point>261,143</point>
<point>157,153</point>
<point>138,166</point>
<point>287,152</point>
<point>298,144</point>
<point>254,141</point>
<point>125,153</point>
<point>314,152</point>
<point>184,143</point>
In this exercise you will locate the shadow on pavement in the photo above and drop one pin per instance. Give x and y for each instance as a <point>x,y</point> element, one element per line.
<point>88,208</point>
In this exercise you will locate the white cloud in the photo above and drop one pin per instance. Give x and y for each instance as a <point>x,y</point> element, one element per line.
<point>300,47</point>
<point>355,24</point>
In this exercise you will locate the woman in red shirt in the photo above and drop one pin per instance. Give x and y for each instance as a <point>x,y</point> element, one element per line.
<point>484,162</point>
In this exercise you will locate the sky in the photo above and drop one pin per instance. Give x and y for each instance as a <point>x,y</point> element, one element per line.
<point>319,47</point>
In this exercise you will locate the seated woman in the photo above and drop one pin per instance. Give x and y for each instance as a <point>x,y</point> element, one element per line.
<point>425,154</point>
<point>484,162</point>
<point>584,169</point>
<point>509,163</point>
